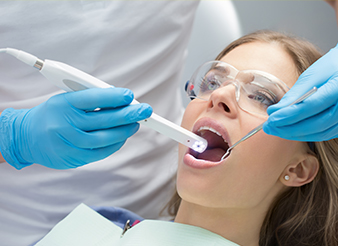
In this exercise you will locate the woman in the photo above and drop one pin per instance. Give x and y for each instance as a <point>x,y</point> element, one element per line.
<point>269,191</point>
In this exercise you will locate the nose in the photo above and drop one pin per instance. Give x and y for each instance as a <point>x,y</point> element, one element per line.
<point>224,99</point>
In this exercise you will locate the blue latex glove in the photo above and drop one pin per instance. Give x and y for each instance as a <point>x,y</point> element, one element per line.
<point>64,132</point>
<point>316,118</point>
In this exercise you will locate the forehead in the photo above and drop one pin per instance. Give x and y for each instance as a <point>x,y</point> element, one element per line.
<point>267,57</point>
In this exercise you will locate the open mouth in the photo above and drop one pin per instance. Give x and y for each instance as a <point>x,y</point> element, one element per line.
<point>217,144</point>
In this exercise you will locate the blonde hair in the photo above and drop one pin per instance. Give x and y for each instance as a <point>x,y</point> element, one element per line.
<point>306,215</point>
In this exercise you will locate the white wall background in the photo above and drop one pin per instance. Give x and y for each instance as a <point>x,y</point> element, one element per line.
<point>314,20</point>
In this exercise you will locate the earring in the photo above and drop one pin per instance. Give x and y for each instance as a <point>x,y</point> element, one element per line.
<point>286,177</point>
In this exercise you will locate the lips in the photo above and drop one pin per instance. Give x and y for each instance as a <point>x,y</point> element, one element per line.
<point>218,143</point>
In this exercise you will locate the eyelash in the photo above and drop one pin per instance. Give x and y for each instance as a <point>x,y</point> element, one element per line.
<point>267,96</point>
<point>205,84</point>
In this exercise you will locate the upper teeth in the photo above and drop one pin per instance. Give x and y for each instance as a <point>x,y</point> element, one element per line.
<point>210,129</point>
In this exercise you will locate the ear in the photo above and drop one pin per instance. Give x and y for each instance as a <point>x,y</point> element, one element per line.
<point>300,173</point>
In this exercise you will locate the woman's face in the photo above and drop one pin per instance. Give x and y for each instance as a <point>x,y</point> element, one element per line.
<point>252,174</point>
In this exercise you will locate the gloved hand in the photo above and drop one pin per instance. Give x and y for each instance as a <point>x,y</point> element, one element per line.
<point>316,118</point>
<point>65,131</point>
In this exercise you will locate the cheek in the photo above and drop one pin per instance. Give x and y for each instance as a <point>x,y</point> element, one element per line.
<point>262,149</point>
<point>260,163</point>
<point>190,115</point>
<point>269,155</point>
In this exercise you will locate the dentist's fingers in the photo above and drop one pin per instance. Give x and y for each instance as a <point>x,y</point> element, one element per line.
<point>319,127</point>
<point>84,156</point>
<point>315,118</point>
<point>91,99</point>
<point>321,100</point>
<point>101,138</point>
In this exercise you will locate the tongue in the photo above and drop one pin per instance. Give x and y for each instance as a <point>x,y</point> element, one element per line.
<point>214,155</point>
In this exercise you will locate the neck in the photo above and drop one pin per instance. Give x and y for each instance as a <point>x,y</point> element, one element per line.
<point>241,226</point>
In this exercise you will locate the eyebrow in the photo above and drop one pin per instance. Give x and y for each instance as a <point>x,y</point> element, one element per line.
<point>271,78</point>
<point>219,68</point>
<point>270,91</point>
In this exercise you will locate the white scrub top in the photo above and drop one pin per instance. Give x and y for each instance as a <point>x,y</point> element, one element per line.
<point>134,44</point>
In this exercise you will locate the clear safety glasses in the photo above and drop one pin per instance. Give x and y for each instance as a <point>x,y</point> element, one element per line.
<point>255,90</point>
